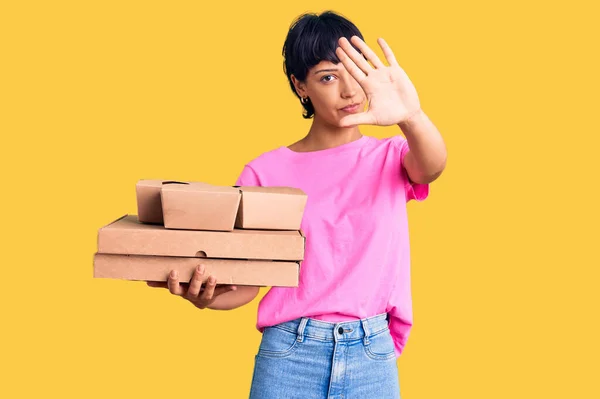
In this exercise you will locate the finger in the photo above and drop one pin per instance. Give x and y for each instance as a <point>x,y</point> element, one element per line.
<point>366,50</point>
<point>387,51</point>
<point>362,118</point>
<point>173,283</point>
<point>196,282</point>
<point>358,59</point>
<point>350,66</point>
<point>209,289</point>
<point>160,284</point>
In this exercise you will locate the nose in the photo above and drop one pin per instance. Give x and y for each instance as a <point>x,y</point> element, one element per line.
<point>349,86</point>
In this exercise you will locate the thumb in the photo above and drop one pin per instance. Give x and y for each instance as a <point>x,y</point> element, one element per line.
<point>230,288</point>
<point>362,118</point>
<point>223,289</point>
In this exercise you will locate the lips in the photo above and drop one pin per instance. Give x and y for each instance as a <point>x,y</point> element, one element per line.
<point>351,107</point>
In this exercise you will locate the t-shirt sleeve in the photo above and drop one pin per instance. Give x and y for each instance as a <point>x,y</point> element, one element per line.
<point>248,177</point>
<point>414,191</point>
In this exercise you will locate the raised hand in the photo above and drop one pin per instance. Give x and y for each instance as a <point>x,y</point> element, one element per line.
<point>391,95</point>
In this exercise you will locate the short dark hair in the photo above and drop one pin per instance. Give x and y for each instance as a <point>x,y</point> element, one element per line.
<point>313,38</point>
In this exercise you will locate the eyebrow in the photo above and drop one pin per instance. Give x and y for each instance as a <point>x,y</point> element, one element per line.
<point>326,70</point>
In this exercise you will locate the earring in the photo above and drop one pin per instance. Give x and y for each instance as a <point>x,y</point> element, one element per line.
<point>304,100</point>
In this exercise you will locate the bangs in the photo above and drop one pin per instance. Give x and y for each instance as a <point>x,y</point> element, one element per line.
<point>314,39</point>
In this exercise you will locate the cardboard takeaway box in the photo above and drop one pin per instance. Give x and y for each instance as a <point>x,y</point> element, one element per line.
<point>276,208</point>
<point>201,206</point>
<point>130,249</point>
<point>226,271</point>
<point>149,203</point>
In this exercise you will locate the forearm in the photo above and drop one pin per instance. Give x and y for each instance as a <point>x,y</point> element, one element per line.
<point>427,148</point>
<point>234,299</point>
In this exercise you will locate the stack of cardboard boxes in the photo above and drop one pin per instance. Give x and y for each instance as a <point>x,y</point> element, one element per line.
<point>243,235</point>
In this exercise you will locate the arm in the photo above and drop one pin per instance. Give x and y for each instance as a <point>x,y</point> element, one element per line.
<point>234,299</point>
<point>426,159</point>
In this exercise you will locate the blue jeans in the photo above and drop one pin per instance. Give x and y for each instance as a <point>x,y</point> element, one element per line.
<point>313,359</point>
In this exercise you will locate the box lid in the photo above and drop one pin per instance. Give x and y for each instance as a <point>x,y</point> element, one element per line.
<point>199,206</point>
<point>127,235</point>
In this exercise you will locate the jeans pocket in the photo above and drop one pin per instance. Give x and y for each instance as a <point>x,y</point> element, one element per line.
<point>277,342</point>
<point>380,346</point>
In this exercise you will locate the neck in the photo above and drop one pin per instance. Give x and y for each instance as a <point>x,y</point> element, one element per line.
<point>322,135</point>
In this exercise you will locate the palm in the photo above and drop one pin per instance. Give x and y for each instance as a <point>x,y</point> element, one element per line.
<point>391,95</point>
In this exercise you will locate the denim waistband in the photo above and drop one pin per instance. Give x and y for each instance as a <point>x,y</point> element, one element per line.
<point>340,331</point>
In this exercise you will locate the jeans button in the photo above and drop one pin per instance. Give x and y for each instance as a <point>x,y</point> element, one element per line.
<point>340,330</point>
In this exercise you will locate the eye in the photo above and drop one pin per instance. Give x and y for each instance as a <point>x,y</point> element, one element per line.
<point>326,76</point>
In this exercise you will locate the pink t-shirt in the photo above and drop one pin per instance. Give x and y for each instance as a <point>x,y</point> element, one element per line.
<point>357,256</point>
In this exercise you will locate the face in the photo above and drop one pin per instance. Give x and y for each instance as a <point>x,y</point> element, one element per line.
<point>330,88</point>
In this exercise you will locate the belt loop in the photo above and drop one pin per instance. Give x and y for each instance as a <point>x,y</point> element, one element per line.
<point>367,332</point>
<point>301,327</point>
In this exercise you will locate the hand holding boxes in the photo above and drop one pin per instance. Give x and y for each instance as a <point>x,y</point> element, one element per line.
<point>243,235</point>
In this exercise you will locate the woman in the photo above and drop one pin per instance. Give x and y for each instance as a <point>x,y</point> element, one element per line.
<point>339,333</point>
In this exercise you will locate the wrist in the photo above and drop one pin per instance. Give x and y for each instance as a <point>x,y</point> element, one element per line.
<point>411,119</point>
<point>234,299</point>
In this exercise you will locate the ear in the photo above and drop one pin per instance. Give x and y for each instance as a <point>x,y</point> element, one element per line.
<point>300,87</point>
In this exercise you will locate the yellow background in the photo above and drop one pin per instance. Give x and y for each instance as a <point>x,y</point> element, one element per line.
<point>96,95</point>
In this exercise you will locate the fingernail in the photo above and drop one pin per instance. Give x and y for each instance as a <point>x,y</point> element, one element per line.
<point>233,288</point>
<point>173,273</point>
<point>202,268</point>
<point>211,279</point>
<point>199,269</point>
